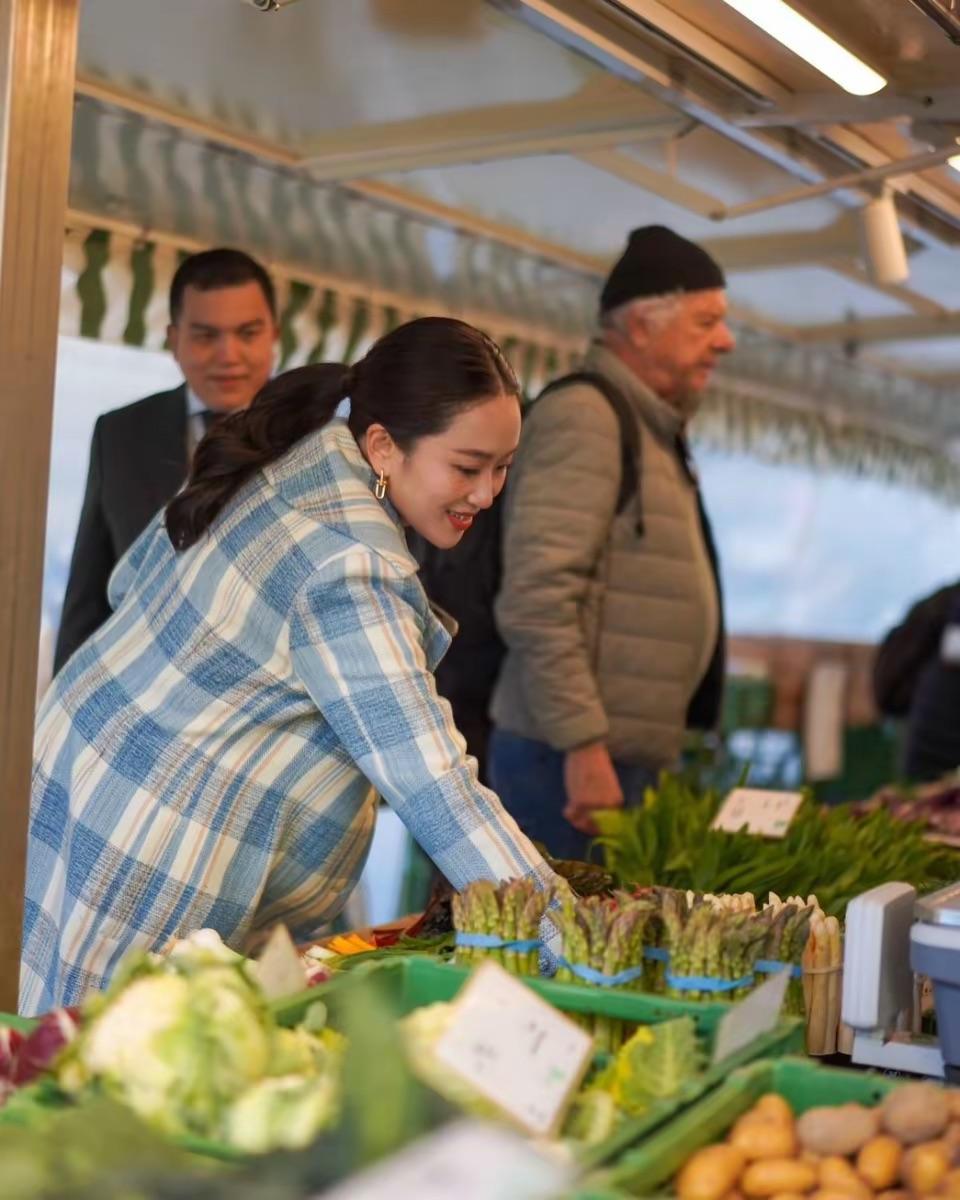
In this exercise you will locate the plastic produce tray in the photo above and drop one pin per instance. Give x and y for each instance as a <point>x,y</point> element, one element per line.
<point>410,983</point>
<point>648,1169</point>
<point>20,1024</point>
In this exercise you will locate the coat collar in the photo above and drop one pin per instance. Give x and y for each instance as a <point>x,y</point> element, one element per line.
<point>162,460</point>
<point>326,477</point>
<point>665,421</point>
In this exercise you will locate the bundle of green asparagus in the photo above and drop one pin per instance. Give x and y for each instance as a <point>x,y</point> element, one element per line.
<point>603,946</point>
<point>725,939</point>
<point>501,923</point>
<point>789,935</point>
<point>714,950</point>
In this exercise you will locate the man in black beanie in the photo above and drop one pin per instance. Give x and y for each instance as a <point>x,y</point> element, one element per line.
<point>610,604</point>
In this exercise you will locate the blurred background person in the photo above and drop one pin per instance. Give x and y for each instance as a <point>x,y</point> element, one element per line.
<point>610,606</point>
<point>917,677</point>
<point>222,333</point>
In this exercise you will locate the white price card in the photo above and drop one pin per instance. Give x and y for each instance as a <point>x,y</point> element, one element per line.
<point>751,1017</point>
<point>767,814</point>
<point>466,1159</point>
<point>279,970</point>
<point>516,1049</point>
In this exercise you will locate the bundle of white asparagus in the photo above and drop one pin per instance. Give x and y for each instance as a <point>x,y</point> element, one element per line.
<point>822,982</point>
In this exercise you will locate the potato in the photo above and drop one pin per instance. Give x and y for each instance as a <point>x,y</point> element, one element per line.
<point>773,1108</point>
<point>951,1184</point>
<point>768,1176</point>
<point>915,1112</point>
<point>924,1168</point>
<point>837,1175</point>
<point>759,1137</point>
<point>710,1174</point>
<point>879,1162</point>
<point>953,1102</point>
<point>893,1195</point>
<point>829,1194</point>
<point>839,1130</point>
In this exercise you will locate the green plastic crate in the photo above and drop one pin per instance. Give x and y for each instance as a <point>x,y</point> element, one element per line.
<point>648,1169</point>
<point>591,1193</point>
<point>410,983</point>
<point>20,1024</point>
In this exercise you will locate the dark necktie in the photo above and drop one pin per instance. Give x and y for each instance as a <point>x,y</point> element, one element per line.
<point>209,419</point>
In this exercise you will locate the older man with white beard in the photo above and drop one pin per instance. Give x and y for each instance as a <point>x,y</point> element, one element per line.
<point>610,606</point>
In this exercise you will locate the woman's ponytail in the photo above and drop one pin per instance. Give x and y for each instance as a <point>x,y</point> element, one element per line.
<point>414,382</point>
<point>283,412</point>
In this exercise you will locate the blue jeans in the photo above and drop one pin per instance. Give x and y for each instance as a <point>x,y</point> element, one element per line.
<point>528,777</point>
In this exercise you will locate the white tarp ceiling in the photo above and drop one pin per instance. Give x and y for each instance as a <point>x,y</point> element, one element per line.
<point>409,155</point>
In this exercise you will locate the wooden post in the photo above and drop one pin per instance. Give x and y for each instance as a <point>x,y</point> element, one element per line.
<point>38,46</point>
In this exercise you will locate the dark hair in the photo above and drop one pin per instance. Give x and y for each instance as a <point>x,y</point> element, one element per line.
<point>414,381</point>
<point>220,268</point>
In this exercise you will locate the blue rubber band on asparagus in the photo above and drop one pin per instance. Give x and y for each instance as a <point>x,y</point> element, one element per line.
<point>598,977</point>
<point>706,983</point>
<point>490,941</point>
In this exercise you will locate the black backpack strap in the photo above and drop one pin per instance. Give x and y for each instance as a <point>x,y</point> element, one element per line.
<point>630,451</point>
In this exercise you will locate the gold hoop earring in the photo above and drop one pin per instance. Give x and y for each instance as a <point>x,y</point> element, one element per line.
<point>380,489</point>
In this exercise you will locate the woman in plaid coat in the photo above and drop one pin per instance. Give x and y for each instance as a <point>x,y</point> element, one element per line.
<point>213,755</point>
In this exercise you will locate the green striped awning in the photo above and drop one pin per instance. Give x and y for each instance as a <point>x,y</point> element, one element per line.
<point>115,288</point>
<point>777,401</point>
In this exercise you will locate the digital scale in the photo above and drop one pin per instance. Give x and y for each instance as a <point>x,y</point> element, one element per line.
<point>893,941</point>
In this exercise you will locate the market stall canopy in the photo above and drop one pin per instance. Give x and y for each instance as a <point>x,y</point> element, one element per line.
<point>390,157</point>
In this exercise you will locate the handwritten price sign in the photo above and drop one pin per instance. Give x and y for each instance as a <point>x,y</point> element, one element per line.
<point>513,1047</point>
<point>767,814</point>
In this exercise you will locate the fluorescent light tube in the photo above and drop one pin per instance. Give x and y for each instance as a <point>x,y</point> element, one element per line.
<point>954,162</point>
<point>811,44</point>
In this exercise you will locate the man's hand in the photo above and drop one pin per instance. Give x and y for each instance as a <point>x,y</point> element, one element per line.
<point>591,782</point>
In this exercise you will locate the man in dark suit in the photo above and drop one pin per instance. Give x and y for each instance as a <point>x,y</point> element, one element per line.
<point>223,332</point>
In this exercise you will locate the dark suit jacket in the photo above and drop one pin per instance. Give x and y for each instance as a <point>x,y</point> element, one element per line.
<point>138,461</point>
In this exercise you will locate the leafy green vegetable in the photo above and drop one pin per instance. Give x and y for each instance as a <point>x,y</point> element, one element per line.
<point>177,1049</point>
<point>383,1108</point>
<point>832,852</point>
<point>282,1112</point>
<point>586,878</point>
<point>653,1065</point>
<point>593,1117</point>
<point>189,1043</point>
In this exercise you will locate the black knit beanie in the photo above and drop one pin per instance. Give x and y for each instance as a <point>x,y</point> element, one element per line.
<point>658,261</point>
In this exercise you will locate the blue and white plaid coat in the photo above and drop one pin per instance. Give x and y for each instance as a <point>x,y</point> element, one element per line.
<point>211,756</point>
